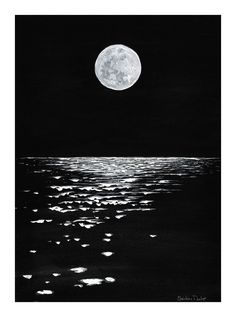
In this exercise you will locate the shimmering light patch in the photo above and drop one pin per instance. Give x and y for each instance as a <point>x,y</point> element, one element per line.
<point>96,198</point>
<point>107,184</point>
<point>76,239</point>
<point>35,210</point>
<point>79,269</point>
<point>57,177</point>
<point>85,245</point>
<point>66,202</point>
<point>67,223</point>
<point>100,209</point>
<point>152,235</point>
<point>56,274</point>
<point>60,188</point>
<point>75,180</point>
<point>107,253</point>
<point>92,281</point>
<point>89,226</point>
<point>45,292</point>
<point>164,181</point>
<point>110,279</point>
<point>79,285</point>
<point>129,180</point>
<point>66,235</point>
<point>56,208</point>
<point>33,251</point>
<point>27,276</point>
<point>47,282</point>
<point>94,221</point>
<point>87,188</point>
<point>120,216</point>
<point>84,208</point>
<point>108,234</point>
<point>147,209</point>
<point>37,221</point>
<point>107,240</point>
<point>58,242</point>
<point>59,195</point>
<point>146,202</point>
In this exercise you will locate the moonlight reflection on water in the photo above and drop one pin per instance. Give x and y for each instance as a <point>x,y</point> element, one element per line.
<point>112,206</point>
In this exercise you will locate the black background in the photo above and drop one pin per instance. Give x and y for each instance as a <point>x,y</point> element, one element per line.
<point>63,110</point>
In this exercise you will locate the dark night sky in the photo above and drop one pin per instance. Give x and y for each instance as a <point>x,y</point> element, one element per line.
<point>63,110</point>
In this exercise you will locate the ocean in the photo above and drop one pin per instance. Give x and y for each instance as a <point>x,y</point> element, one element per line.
<point>117,229</point>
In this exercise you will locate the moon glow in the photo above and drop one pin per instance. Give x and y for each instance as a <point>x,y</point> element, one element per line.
<point>118,67</point>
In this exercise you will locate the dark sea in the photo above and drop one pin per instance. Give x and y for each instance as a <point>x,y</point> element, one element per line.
<point>117,229</point>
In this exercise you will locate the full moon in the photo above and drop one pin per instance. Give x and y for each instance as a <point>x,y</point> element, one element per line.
<point>118,67</point>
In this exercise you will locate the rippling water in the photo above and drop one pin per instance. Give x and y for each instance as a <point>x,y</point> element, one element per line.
<point>87,228</point>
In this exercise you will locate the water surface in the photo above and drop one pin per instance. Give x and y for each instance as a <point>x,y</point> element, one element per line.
<point>117,229</point>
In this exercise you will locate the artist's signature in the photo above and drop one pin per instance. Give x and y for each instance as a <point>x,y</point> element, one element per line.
<point>191,298</point>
